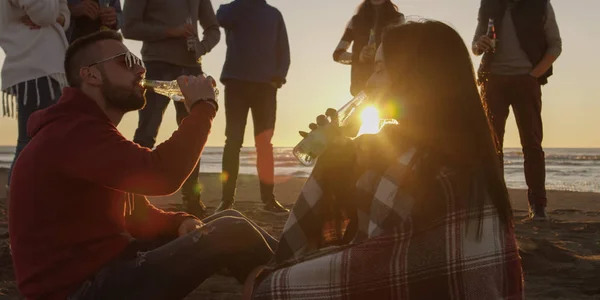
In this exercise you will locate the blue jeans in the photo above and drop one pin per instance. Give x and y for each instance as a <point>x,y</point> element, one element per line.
<point>173,270</point>
<point>151,116</point>
<point>35,87</point>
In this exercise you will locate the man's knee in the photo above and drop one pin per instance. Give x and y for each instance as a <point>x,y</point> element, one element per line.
<point>232,231</point>
<point>263,139</point>
<point>231,213</point>
<point>233,143</point>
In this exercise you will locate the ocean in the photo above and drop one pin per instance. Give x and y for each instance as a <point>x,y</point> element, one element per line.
<point>567,169</point>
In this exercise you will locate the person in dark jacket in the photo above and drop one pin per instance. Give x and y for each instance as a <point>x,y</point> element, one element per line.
<point>257,63</point>
<point>89,16</point>
<point>512,73</point>
<point>364,33</point>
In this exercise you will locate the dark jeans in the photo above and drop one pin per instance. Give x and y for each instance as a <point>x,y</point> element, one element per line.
<point>38,96</point>
<point>261,99</point>
<point>173,270</point>
<point>151,116</point>
<point>524,94</point>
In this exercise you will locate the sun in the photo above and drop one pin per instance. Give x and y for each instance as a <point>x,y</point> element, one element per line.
<point>370,121</point>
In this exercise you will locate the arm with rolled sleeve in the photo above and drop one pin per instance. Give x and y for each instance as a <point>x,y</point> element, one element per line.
<point>554,44</point>
<point>208,22</point>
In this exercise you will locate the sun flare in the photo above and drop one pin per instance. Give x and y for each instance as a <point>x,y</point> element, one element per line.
<point>370,121</point>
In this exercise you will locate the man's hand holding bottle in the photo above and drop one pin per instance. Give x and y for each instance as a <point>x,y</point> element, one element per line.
<point>197,89</point>
<point>182,31</point>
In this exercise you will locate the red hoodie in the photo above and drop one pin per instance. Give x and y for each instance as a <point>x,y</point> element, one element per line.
<point>72,187</point>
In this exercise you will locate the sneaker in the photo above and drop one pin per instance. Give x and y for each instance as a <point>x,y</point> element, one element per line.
<point>225,205</point>
<point>537,213</point>
<point>275,207</point>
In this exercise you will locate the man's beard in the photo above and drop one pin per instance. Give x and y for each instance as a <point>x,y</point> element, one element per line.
<point>120,97</point>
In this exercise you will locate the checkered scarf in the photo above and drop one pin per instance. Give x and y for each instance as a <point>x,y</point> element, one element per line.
<point>400,251</point>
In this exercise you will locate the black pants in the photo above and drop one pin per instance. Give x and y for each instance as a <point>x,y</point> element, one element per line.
<point>261,99</point>
<point>173,270</point>
<point>151,116</point>
<point>524,94</point>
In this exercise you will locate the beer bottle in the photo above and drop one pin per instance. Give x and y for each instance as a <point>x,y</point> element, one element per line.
<point>169,88</point>
<point>486,60</point>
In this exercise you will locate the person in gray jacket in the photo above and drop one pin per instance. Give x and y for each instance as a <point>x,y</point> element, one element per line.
<point>171,47</point>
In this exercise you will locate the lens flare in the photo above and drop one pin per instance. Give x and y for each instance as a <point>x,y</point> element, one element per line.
<point>370,121</point>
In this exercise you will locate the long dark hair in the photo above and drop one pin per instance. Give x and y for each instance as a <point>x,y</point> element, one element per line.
<point>365,14</point>
<point>433,77</point>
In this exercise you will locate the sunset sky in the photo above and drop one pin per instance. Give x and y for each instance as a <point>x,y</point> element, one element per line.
<point>571,100</point>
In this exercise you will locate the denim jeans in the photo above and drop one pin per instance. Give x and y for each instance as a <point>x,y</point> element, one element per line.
<point>173,270</point>
<point>151,116</point>
<point>30,93</point>
<point>240,98</point>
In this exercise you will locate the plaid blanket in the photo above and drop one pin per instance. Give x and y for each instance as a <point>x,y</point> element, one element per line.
<point>401,250</point>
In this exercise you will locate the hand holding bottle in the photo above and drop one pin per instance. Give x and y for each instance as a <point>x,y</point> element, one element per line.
<point>368,54</point>
<point>196,89</point>
<point>181,31</point>
<point>484,44</point>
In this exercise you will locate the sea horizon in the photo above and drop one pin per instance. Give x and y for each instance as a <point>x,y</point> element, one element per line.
<point>567,169</point>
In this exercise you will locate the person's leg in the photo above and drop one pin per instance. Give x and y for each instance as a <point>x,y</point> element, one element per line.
<point>190,191</point>
<point>497,105</point>
<point>264,110</point>
<point>234,213</point>
<point>236,116</point>
<point>175,269</point>
<point>32,95</point>
<point>150,117</point>
<point>527,106</point>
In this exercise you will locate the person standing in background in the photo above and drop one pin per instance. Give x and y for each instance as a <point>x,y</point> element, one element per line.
<point>511,74</point>
<point>89,16</point>
<point>363,32</point>
<point>32,35</point>
<point>256,65</point>
<point>166,29</point>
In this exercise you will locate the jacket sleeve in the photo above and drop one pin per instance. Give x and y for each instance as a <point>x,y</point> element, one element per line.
<point>283,52</point>
<point>212,33</point>
<point>552,32</point>
<point>41,12</point>
<point>66,12</point>
<point>117,5</point>
<point>227,14</point>
<point>98,153</point>
<point>134,26</point>
<point>149,222</point>
<point>341,54</point>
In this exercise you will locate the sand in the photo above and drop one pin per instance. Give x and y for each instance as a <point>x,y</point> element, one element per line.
<point>561,258</point>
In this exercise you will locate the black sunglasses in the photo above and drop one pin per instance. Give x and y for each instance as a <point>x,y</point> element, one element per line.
<point>130,60</point>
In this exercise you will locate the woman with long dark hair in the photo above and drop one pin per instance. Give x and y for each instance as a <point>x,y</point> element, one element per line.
<point>363,32</point>
<point>429,211</point>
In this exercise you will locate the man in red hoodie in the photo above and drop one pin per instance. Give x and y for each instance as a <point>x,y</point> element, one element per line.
<point>80,228</point>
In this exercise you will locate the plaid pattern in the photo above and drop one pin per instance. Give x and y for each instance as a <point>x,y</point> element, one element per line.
<point>402,250</point>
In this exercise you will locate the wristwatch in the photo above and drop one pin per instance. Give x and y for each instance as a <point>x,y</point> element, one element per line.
<point>210,101</point>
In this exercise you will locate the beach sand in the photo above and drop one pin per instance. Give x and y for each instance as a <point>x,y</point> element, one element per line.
<point>561,258</point>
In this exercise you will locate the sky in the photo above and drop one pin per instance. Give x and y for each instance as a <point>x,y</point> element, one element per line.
<point>570,108</point>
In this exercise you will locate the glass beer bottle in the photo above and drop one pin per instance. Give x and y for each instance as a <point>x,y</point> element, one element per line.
<point>315,142</point>
<point>169,88</point>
